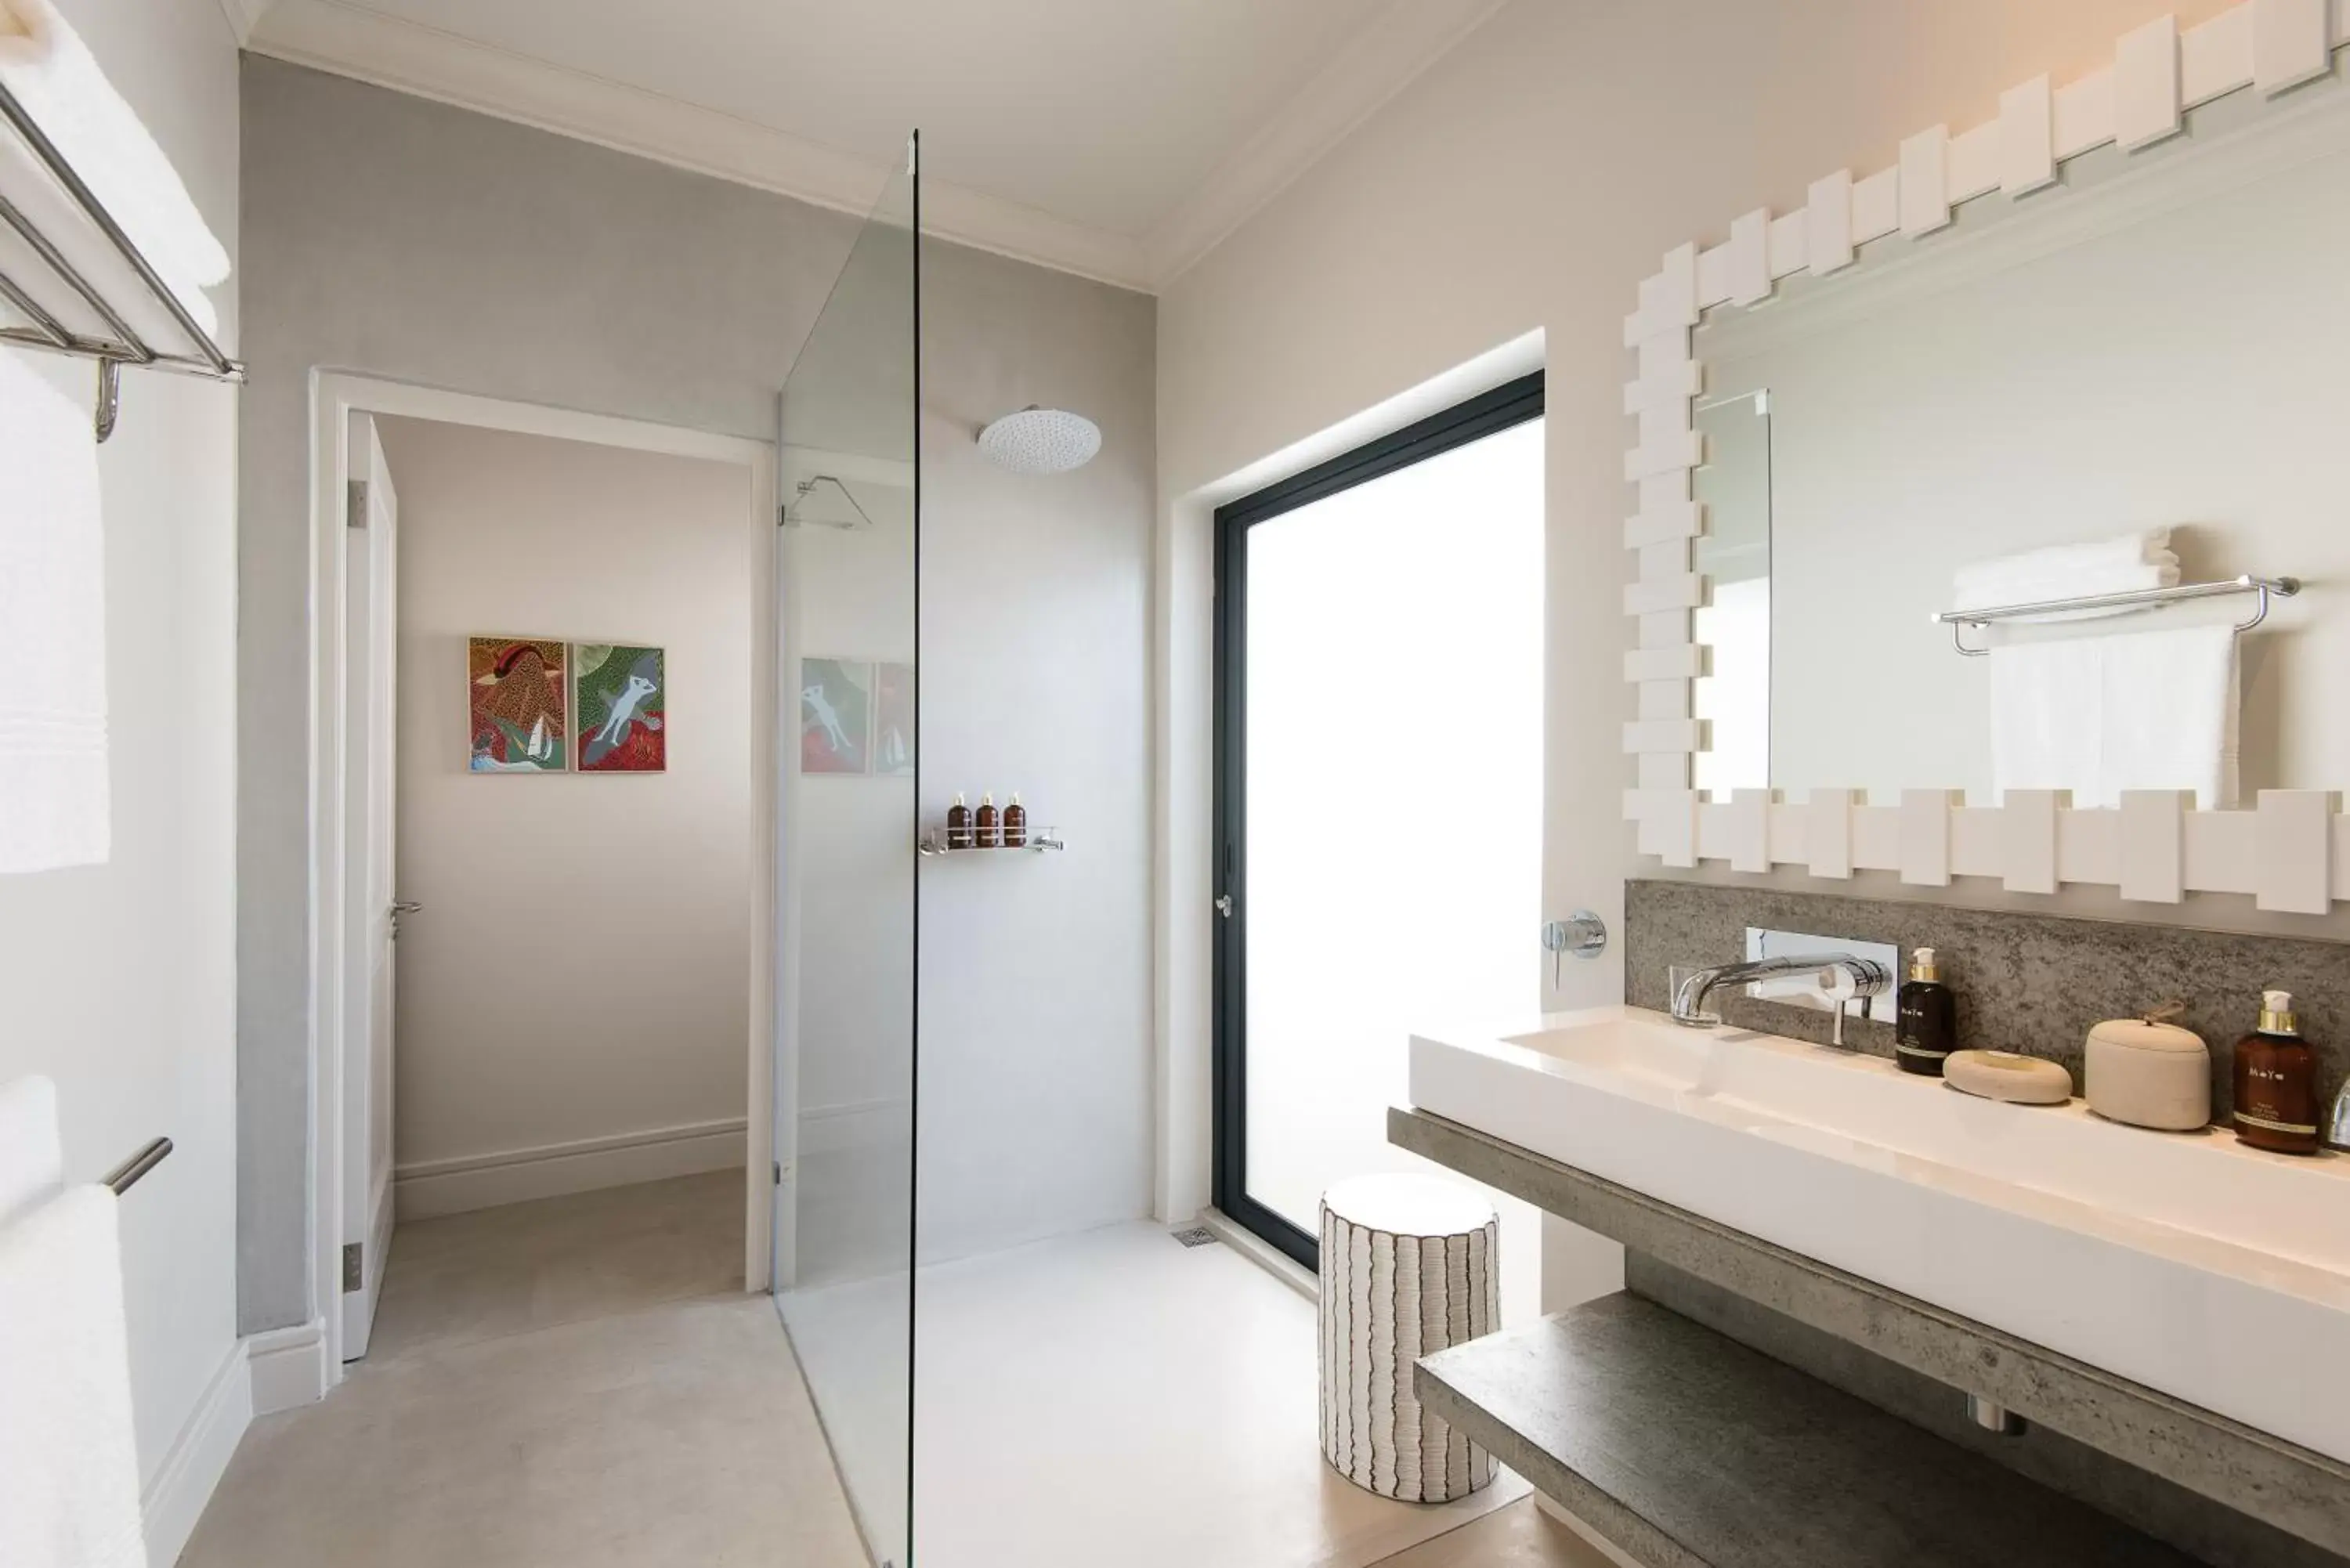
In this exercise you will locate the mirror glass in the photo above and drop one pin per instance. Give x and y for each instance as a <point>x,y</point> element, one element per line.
<point>2141,368</point>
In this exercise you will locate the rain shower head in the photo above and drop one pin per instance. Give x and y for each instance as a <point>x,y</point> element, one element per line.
<point>1041,440</point>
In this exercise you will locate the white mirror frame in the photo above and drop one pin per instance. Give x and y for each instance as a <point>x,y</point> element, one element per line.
<point>2291,853</point>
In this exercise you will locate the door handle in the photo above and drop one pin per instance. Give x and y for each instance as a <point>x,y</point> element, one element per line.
<point>404,907</point>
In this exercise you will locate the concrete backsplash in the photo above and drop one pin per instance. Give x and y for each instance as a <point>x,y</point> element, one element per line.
<point>2026,983</point>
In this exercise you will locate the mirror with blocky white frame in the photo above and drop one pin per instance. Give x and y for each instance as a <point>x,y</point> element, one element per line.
<point>2289,849</point>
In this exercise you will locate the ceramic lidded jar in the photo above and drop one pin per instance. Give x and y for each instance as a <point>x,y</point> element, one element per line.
<point>2148,1073</point>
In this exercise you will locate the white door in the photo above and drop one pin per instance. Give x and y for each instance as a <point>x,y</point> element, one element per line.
<point>372,914</point>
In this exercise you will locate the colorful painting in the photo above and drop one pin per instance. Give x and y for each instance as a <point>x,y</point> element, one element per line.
<point>835,715</point>
<point>893,719</point>
<point>622,707</point>
<point>517,688</point>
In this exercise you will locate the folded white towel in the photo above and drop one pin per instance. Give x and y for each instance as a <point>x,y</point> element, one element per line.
<point>2098,715</point>
<point>31,1162</point>
<point>53,761</point>
<point>68,1455</point>
<point>45,66</point>
<point>2133,561</point>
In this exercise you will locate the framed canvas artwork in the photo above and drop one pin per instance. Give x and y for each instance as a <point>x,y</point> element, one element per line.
<point>515,687</point>
<point>835,715</point>
<point>621,706</point>
<point>893,719</point>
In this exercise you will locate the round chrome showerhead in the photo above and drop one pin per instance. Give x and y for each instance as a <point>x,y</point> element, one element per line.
<point>1041,440</point>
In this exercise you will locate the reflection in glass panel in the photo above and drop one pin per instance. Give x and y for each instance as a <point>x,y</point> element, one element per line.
<point>1734,695</point>
<point>844,867</point>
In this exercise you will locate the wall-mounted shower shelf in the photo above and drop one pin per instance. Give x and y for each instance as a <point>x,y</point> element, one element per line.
<point>934,842</point>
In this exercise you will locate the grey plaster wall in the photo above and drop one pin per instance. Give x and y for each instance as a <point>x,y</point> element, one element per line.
<point>2027,983</point>
<point>402,238</point>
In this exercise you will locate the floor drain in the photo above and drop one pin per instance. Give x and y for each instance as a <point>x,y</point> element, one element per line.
<point>1194,1235</point>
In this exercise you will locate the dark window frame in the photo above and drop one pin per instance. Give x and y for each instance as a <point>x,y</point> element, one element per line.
<point>1488,413</point>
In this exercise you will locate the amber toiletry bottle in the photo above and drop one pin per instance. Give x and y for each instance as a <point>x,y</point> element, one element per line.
<point>958,824</point>
<point>1926,1028</point>
<point>2276,1081</point>
<point>991,829</point>
<point>1015,823</point>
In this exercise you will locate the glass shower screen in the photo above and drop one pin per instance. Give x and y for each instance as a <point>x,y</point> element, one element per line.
<point>844,1068</point>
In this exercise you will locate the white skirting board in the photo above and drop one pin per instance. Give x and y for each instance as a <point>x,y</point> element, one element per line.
<point>515,1176</point>
<point>289,1366</point>
<point>261,1375</point>
<point>183,1483</point>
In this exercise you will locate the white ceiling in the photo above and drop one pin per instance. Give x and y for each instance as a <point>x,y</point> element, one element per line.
<point>1118,138</point>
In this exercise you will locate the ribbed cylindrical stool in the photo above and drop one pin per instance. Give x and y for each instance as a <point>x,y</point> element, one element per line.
<point>1409,1267</point>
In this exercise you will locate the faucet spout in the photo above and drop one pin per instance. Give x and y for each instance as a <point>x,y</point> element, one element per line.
<point>1692,987</point>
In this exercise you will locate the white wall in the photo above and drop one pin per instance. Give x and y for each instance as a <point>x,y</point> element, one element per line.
<point>1527,183</point>
<point>121,977</point>
<point>1035,1058</point>
<point>581,969</point>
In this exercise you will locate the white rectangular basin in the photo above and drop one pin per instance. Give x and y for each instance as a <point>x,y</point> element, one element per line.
<point>2189,1262</point>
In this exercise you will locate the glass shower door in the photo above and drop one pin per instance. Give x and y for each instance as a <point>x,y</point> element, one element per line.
<point>844,1104</point>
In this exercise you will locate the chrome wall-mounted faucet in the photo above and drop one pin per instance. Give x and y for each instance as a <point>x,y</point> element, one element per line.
<point>1691,988</point>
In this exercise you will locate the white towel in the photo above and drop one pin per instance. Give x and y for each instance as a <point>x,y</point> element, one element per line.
<point>53,764</point>
<point>2123,565</point>
<point>2098,715</point>
<point>31,1161</point>
<point>68,1455</point>
<point>44,64</point>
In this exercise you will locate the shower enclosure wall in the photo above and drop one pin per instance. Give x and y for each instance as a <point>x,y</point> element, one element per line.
<point>849,473</point>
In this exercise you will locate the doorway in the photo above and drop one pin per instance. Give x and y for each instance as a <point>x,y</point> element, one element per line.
<point>1378,733</point>
<point>574,1119</point>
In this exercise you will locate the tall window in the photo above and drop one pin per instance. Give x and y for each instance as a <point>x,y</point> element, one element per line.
<point>1379,732</point>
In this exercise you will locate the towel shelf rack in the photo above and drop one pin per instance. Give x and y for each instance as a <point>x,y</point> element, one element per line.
<point>123,1177</point>
<point>2136,598</point>
<point>126,346</point>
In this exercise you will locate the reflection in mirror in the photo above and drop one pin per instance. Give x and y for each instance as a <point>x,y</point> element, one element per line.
<point>1734,694</point>
<point>2143,366</point>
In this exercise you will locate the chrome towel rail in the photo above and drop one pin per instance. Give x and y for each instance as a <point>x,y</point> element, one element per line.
<point>123,1177</point>
<point>46,331</point>
<point>2136,598</point>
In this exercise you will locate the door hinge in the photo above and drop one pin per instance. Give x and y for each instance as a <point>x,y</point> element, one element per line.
<point>354,1266</point>
<point>779,1173</point>
<point>355,514</point>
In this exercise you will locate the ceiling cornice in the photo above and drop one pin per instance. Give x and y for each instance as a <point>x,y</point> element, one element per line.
<point>243,16</point>
<point>352,41</point>
<point>1374,66</point>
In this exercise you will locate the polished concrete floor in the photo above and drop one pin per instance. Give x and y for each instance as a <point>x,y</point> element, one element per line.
<point>1517,1536</point>
<point>579,1382</point>
<point>1116,1387</point>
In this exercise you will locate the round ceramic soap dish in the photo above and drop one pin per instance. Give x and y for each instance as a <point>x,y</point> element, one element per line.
<point>2006,1076</point>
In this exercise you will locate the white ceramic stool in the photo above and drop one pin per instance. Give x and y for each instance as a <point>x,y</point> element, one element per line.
<point>1409,1267</point>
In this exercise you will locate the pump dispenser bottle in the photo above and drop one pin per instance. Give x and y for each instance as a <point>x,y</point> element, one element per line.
<point>959,823</point>
<point>991,829</point>
<point>2276,1081</point>
<point>1926,1027</point>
